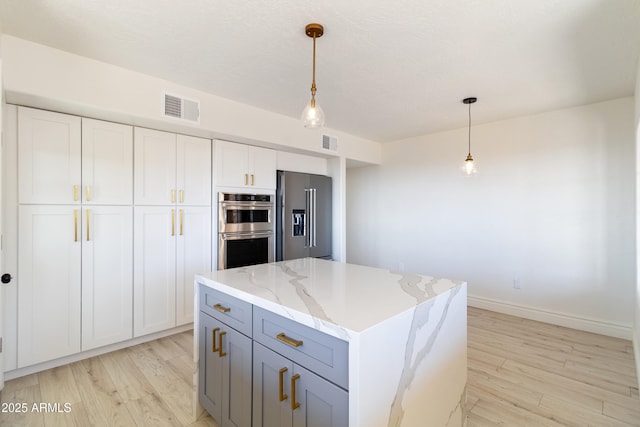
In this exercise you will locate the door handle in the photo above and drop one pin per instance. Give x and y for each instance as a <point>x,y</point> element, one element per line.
<point>173,222</point>
<point>75,225</point>
<point>213,340</point>
<point>220,352</point>
<point>294,405</point>
<point>281,395</point>
<point>88,224</point>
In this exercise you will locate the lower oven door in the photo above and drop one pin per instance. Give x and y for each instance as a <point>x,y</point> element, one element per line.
<point>242,249</point>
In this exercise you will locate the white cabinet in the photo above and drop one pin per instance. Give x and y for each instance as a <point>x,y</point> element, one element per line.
<point>107,163</point>
<point>48,157</point>
<point>172,237</point>
<point>49,262</point>
<point>64,159</point>
<point>245,166</point>
<point>107,275</point>
<point>154,277</point>
<point>193,256</point>
<point>75,234</point>
<point>171,169</point>
<point>172,244</point>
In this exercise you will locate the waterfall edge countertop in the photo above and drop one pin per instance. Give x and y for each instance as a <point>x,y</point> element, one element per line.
<point>337,298</point>
<point>406,333</point>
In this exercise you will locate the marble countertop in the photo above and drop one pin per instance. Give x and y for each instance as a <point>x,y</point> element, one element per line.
<point>340,299</point>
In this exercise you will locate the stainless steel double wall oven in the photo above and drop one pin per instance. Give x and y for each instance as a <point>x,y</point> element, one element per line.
<point>245,229</point>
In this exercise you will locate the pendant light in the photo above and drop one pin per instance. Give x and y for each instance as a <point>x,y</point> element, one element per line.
<point>312,115</point>
<point>469,167</point>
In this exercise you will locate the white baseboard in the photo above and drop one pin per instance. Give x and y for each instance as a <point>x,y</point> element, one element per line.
<point>555,318</point>
<point>28,370</point>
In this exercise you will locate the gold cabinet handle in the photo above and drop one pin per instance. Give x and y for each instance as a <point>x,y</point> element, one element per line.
<point>281,394</point>
<point>173,196</point>
<point>246,179</point>
<point>181,196</point>
<point>220,352</point>
<point>213,340</point>
<point>221,308</point>
<point>173,222</point>
<point>88,193</point>
<point>181,215</point>
<point>88,224</point>
<point>289,341</point>
<point>253,179</point>
<point>294,405</point>
<point>75,225</point>
<point>75,193</point>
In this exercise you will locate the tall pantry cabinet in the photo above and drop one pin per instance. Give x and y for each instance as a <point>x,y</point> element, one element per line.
<point>74,228</point>
<point>172,226</point>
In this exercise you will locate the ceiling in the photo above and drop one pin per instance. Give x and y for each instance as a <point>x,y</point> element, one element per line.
<point>385,70</point>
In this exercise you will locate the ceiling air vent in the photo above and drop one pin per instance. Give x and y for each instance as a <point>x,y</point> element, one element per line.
<point>329,143</point>
<point>181,108</point>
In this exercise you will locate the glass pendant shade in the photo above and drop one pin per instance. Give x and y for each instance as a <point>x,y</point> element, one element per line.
<point>469,167</point>
<point>313,115</point>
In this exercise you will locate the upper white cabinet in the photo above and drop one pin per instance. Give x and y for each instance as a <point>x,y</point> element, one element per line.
<point>171,169</point>
<point>107,163</point>
<point>48,157</point>
<point>245,166</point>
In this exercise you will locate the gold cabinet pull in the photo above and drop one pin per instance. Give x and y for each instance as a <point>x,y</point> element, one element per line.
<point>213,340</point>
<point>294,405</point>
<point>181,215</point>
<point>88,193</point>
<point>281,394</point>
<point>246,179</point>
<point>289,341</point>
<point>88,224</point>
<point>173,222</point>
<point>173,195</point>
<point>221,308</point>
<point>253,179</point>
<point>75,225</point>
<point>75,193</point>
<point>220,352</point>
<point>181,196</point>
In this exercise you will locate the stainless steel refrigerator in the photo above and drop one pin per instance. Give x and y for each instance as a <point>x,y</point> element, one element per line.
<point>303,216</point>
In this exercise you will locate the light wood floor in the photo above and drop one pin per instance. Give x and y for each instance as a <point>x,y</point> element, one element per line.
<point>521,373</point>
<point>526,373</point>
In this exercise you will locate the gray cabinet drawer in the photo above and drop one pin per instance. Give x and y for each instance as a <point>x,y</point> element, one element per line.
<point>323,354</point>
<point>229,310</point>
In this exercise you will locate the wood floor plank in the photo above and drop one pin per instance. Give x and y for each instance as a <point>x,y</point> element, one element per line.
<point>130,381</point>
<point>520,373</point>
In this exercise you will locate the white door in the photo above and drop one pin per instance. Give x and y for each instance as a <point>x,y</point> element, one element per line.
<point>107,163</point>
<point>154,271</point>
<point>193,256</point>
<point>49,293</point>
<point>48,157</point>
<point>193,157</point>
<point>262,166</point>
<point>107,275</point>
<point>231,164</point>
<point>155,167</point>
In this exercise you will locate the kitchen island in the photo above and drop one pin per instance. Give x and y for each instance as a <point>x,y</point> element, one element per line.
<point>311,338</point>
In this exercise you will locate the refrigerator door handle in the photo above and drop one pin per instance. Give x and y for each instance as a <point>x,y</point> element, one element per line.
<point>308,225</point>
<point>314,241</point>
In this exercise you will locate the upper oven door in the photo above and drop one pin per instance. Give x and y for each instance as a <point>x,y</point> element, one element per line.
<point>243,217</point>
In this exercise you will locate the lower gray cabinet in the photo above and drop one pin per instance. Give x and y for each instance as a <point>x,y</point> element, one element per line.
<point>225,372</point>
<point>287,395</point>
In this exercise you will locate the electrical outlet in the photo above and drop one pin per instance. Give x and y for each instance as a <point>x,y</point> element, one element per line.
<point>516,284</point>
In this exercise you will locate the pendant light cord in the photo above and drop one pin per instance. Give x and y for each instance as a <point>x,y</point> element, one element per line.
<point>469,128</point>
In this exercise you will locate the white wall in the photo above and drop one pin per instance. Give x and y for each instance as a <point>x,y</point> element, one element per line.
<point>552,206</point>
<point>636,323</point>
<point>48,78</point>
